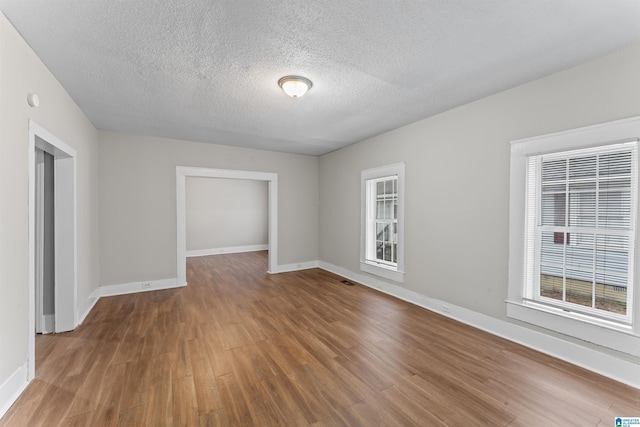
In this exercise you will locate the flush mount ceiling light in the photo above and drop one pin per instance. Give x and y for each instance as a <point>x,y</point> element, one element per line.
<point>295,86</point>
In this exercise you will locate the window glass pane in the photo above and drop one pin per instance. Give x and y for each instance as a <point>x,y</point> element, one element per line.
<point>380,231</point>
<point>554,170</point>
<point>550,251</point>
<point>582,209</point>
<point>578,291</point>
<point>615,164</point>
<point>551,282</point>
<point>581,168</point>
<point>614,209</point>
<point>380,188</point>
<point>610,297</point>
<point>388,209</point>
<point>553,209</point>
<point>612,259</point>
<point>380,250</point>
<point>579,256</point>
<point>387,252</point>
<point>388,187</point>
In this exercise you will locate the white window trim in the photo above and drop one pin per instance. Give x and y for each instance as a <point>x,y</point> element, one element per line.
<point>612,335</point>
<point>387,272</point>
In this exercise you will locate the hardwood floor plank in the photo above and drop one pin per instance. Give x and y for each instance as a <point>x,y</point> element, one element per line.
<point>238,346</point>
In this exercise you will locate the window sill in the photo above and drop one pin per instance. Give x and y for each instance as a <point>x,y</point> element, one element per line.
<point>378,270</point>
<point>601,332</point>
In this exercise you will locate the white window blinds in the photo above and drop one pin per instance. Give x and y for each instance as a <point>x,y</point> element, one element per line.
<point>579,235</point>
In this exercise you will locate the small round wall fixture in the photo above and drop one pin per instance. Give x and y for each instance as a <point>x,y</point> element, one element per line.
<point>295,86</point>
<point>33,100</point>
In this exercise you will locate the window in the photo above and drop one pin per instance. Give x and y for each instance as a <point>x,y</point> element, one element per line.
<point>382,224</point>
<point>573,232</point>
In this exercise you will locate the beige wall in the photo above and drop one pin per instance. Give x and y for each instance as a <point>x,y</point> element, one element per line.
<point>138,201</point>
<point>223,213</point>
<point>457,178</point>
<point>21,72</point>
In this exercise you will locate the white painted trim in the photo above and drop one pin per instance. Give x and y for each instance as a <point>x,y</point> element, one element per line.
<point>583,329</point>
<point>610,366</point>
<point>380,270</point>
<point>181,234</point>
<point>228,250</point>
<point>285,268</point>
<point>41,138</point>
<point>88,305</point>
<point>13,387</point>
<point>134,287</point>
<point>615,132</point>
<point>49,325</point>
<point>398,169</point>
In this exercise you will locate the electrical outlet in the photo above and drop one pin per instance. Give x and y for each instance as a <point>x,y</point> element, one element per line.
<point>146,285</point>
<point>446,308</point>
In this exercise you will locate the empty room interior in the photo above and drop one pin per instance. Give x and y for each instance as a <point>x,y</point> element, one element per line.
<point>319,213</point>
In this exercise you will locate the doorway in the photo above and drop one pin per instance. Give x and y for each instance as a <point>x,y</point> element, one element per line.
<point>52,241</point>
<point>45,242</point>
<point>182,172</point>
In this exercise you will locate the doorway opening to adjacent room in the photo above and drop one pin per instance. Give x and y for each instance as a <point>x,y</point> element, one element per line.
<point>183,172</point>
<point>52,237</point>
<point>225,216</point>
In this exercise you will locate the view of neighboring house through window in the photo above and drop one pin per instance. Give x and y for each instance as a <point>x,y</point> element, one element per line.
<point>583,237</point>
<point>382,252</point>
<point>385,220</point>
<point>573,232</point>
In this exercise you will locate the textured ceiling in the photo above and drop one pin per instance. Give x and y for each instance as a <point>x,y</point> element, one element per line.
<point>207,70</point>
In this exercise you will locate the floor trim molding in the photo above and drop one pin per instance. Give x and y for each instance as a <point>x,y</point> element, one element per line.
<point>133,287</point>
<point>86,307</point>
<point>227,250</point>
<point>285,268</point>
<point>12,388</point>
<point>604,364</point>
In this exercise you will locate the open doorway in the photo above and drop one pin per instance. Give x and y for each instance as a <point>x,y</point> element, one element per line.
<point>183,172</point>
<point>226,216</point>
<point>52,241</point>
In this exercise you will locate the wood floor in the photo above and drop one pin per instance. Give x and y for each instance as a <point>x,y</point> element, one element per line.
<point>240,347</point>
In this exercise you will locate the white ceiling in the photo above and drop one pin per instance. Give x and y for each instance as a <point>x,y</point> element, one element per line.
<point>207,70</point>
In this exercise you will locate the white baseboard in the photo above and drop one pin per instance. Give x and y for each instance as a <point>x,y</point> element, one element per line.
<point>133,287</point>
<point>610,366</point>
<point>229,250</point>
<point>284,268</point>
<point>86,307</point>
<point>49,323</point>
<point>12,388</point>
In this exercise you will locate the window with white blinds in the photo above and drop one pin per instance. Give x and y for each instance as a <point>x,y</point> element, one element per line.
<point>382,204</point>
<point>580,234</point>
<point>382,223</point>
<point>573,228</point>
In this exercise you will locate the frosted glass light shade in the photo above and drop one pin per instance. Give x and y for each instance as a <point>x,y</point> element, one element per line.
<point>295,86</point>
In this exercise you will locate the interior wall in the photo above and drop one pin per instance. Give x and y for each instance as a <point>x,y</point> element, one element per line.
<point>138,201</point>
<point>21,73</point>
<point>226,213</point>
<point>457,179</point>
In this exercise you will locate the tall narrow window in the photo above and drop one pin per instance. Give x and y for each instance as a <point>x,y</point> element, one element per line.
<point>381,252</point>
<point>583,234</point>
<point>573,233</point>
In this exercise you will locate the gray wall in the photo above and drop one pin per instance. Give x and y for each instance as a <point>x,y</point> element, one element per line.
<point>138,201</point>
<point>223,213</point>
<point>21,72</point>
<point>457,178</point>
